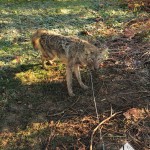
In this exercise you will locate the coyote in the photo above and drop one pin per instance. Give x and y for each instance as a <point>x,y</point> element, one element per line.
<point>71,51</point>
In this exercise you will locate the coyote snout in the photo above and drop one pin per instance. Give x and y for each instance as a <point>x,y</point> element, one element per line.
<point>71,51</point>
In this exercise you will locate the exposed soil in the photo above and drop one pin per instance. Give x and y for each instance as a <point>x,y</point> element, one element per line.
<point>41,115</point>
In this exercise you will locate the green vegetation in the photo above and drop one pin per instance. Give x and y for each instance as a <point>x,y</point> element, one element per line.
<point>35,110</point>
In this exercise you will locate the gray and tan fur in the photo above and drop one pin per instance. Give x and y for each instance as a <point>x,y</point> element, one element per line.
<point>70,50</point>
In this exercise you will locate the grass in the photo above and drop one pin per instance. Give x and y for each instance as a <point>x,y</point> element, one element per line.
<point>35,109</point>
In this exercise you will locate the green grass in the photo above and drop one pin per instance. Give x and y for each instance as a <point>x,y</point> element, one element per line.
<point>30,95</point>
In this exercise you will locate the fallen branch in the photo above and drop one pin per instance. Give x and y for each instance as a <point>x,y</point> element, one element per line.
<point>91,145</point>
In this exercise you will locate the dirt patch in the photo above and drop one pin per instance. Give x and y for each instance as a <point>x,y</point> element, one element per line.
<point>36,111</point>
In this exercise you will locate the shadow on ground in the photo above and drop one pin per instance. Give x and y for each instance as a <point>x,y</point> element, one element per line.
<point>45,108</point>
<point>40,115</point>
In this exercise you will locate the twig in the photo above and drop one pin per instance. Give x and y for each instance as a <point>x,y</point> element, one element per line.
<point>136,92</point>
<point>91,145</point>
<point>94,97</point>
<point>95,105</point>
<point>49,139</point>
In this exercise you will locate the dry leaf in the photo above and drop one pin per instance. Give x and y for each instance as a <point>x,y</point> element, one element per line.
<point>134,113</point>
<point>129,33</point>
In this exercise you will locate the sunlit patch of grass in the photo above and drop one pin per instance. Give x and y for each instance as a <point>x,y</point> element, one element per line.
<point>30,77</point>
<point>27,77</point>
<point>118,17</point>
<point>36,75</point>
<point>1,64</point>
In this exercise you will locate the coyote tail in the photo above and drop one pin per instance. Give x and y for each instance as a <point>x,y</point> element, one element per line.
<point>36,37</point>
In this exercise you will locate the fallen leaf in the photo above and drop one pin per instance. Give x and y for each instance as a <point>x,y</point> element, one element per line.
<point>134,113</point>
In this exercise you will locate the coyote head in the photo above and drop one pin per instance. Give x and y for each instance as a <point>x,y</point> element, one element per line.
<point>95,57</point>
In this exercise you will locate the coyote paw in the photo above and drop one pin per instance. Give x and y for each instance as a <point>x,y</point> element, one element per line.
<point>84,87</point>
<point>71,94</point>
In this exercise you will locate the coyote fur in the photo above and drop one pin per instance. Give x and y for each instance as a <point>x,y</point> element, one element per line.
<point>70,50</point>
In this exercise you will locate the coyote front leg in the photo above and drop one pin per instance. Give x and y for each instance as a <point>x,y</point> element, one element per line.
<point>45,60</point>
<point>69,79</point>
<point>78,76</point>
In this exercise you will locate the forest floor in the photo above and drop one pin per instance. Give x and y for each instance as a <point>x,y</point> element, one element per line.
<point>35,109</point>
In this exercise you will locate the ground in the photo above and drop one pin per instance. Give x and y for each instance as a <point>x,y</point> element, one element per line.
<point>35,109</point>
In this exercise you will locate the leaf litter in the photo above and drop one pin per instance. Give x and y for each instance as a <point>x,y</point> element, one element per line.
<point>40,114</point>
